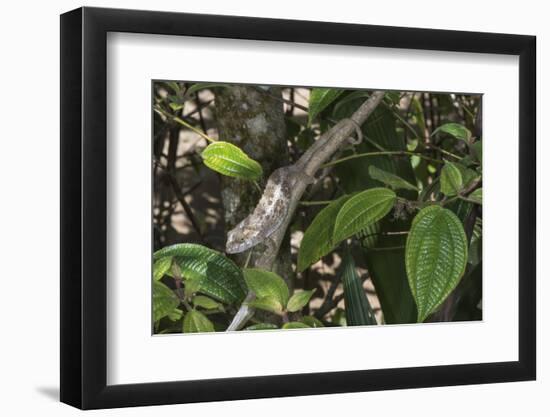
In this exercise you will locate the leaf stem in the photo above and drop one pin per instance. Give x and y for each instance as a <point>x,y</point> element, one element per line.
<point>381,153</point>
<point>184,123</point>
<point>316,203</point>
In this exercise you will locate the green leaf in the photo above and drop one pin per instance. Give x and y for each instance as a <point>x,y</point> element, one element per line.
<point>267,284</point>
<point>456,130</point>
<point>389,179</point>
<point>164,301</point>
<point>231,161</point>
<point>435,257</point>
<point>216,275</point>
<point>201,86</point>
<point>477,196</point>
<point>320,99</point>
<point>317,240</point>
<point>477,150</point>
<point>311,321</point>
<point>175,314</point>
<point>295,325</point>
<point>262,326</point>
<point>299,300</point>
<point>196,322</point>
<point>206,302</point>
<point>270,304</point>
<point>362,210</point>
<point>451,179</point>
<point>176,106</point>
<point>161,267</point>
<point>358,308</point>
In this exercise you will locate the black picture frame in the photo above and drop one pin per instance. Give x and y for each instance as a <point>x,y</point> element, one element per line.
<point>84,207</point>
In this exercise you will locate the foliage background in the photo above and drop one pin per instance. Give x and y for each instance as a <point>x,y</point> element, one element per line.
<point>422,138</point>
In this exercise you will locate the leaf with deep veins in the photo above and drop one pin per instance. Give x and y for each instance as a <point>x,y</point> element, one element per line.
<point>435,257</point>
<point>362,210</point>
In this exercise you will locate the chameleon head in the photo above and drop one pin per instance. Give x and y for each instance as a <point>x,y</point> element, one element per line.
<point>240,239</point>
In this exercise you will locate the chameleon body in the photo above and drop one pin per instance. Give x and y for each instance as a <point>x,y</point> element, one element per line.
<point>268,215</point>
<point>272,209</point>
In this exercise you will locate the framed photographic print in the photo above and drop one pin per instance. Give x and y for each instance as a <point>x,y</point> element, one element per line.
<point>258,208</point>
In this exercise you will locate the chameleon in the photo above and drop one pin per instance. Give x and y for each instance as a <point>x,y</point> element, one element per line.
<point>268,215</point>
<point>272,209</point>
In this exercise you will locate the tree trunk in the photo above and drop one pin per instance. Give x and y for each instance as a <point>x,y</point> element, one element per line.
<point>252,119</point>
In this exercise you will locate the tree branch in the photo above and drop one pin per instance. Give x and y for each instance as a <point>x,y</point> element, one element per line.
<point>299,175</point>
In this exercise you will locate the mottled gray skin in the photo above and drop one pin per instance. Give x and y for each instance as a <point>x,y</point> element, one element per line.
<point>269,214</point>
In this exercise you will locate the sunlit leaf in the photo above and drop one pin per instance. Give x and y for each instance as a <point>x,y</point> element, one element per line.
<point>362,210</point>
<point>358,308</point>
<point>311,321</point>
<point>317,240</point>
<point>456,130</point>
<point>206,302</point>
<point>299,300</point>
<point>389,179</point>
<point>435,257</point>
<point>216,275</point>
<point>267,284</point>
<point>320,99</point>
<point>451,179</point>
<point>161,267</point>
<point>196,322</point>
<point>230,160</point>
<point>270,304</point>
<point>164,301</point>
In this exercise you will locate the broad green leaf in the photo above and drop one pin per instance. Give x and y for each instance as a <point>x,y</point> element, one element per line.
<point>389,179</point>
<point>196,322</point>
<point>320,99</point>
<point>299,300</point>
<point>456,130</point>
<point>230,160</point>
<point>216,275</point>
<point>161,267</point>
<point>295,325</point>
<point>267,284</point>
<point>311,321</point>
<point>435,257</point>
<point>267,303</point>
<point>262,326</point>
<point>317,240</point>
<point>451,179</point>
<point>362,210</point>
<point>477,196</point>
<point>201,86</point>
<point>164,301</point>
<point>358,309</point>
<point>206,302</point>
